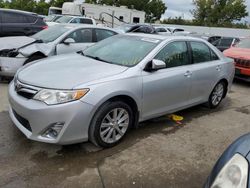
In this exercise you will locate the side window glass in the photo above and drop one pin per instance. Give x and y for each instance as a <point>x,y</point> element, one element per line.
<point>13,18</point>
<point>226,42</point>
<point>213,55</point>
<point>82,36</point>
<point>201,52</point>
<point>76,20</point>
<point>103,34</point>
<point>174,54</point>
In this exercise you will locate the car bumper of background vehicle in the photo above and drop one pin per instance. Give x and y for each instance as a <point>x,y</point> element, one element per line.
<point>33,118</point>
<point>9,66</point>
<point>242,73</point>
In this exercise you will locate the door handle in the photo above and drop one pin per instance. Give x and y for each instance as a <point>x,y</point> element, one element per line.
<point>188,74</point>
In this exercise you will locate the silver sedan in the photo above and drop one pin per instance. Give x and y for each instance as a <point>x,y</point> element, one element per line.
<point>101,93</point>
<point>59,39</point>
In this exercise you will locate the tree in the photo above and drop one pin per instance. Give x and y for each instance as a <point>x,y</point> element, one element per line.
<point>58,3</point>
<point>219,12</point>
<point>153,8</point>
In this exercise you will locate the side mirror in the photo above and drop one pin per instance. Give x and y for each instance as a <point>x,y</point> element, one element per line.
<point>69,41</point>
<point>155,65</point>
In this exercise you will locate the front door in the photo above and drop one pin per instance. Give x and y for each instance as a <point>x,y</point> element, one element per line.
<point>168,89</point>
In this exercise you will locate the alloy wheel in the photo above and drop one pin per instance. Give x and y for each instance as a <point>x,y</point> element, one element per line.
<point>217,94</point>
<point>114,125</point>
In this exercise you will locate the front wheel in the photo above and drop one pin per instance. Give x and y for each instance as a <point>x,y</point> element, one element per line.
<point>217,95</point>
<point>111,123</point>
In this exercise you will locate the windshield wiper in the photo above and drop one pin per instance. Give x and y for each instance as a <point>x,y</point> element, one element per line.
<point>96,58</point>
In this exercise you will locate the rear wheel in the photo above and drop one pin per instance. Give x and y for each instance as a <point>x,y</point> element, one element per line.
<point>217,95</point>
<point>111,123</point>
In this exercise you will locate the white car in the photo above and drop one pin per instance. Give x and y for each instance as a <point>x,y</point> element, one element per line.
<point>59,39</point>
<point>163,30</point>
<point>73,20</point>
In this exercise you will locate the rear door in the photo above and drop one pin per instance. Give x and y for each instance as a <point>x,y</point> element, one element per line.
<point>206,70</point>
<point>14,24</point>
<point>168,89</point>
<point>83,39</point>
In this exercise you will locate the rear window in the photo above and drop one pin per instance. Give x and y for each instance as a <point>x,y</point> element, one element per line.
<point>86,21</point>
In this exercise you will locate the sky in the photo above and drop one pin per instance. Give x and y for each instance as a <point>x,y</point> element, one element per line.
<point>182,8</point>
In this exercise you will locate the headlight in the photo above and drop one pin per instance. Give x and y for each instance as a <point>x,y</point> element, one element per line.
<point>233,174</point>
<point>51,97</point>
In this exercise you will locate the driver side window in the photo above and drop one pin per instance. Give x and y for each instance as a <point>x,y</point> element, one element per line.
<point>174,54</point>
<point>82,36</point>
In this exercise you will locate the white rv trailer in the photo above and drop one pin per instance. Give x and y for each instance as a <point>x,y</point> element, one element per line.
<point>103,13</point>
<point>54,10</point>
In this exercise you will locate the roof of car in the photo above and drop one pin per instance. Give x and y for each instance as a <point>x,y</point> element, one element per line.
<point>75,26</point>
<point>17,11</point>
<point>77,17</point>
<point>163,37</point>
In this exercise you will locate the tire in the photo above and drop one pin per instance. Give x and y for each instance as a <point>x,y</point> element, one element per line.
<point>33,58</point>
<point>104,131</point>
<point>217,95</point>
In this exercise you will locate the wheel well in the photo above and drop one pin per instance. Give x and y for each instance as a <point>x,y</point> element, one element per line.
<point>226,82</point>
<point>131,102</point>
<point>37,54</point>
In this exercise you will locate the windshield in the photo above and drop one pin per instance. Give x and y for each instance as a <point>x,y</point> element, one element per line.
<point>64,19</point>
<point>122,50</point>
<point>51,34</point>
<point>244,43</point>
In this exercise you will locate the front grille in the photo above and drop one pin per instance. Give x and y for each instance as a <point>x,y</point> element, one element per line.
<point>25,91</point>
<point>26,94</point>
<point>22,121</point>
<point>242,63</point>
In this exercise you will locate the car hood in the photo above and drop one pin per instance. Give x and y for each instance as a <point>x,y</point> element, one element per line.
<point>243,53</point>
<point>66,71</point>
<point>14,42</point>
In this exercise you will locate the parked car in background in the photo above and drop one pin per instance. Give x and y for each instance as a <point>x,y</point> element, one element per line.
<point>99,94</point>
<point>163,30</point>
<point>136,28</point>
<point>232,168</point>
<point>241,55</point>
<point>73,20</point>
<point>225,42</point>
<point>52,18</point>
<point>212,39</point>
<point>59,39</point>
<point>20,23</point>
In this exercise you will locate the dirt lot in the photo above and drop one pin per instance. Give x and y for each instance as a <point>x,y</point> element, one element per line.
<point>158,154</point>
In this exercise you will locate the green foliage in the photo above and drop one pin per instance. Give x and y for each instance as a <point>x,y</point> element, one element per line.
<point>39,7</point>
<point>218,12</point>
<point>153,8</point>
<point>58,3</point>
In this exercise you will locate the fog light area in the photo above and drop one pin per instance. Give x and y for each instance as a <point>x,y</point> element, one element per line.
<point>53,130</point>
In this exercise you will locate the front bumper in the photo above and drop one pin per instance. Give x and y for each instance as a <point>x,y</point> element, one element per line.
<point>39,116</point>
<point>10,65</point>
<point>242,73</point>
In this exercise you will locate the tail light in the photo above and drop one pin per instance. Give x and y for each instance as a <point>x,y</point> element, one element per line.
<point>45,27</point>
